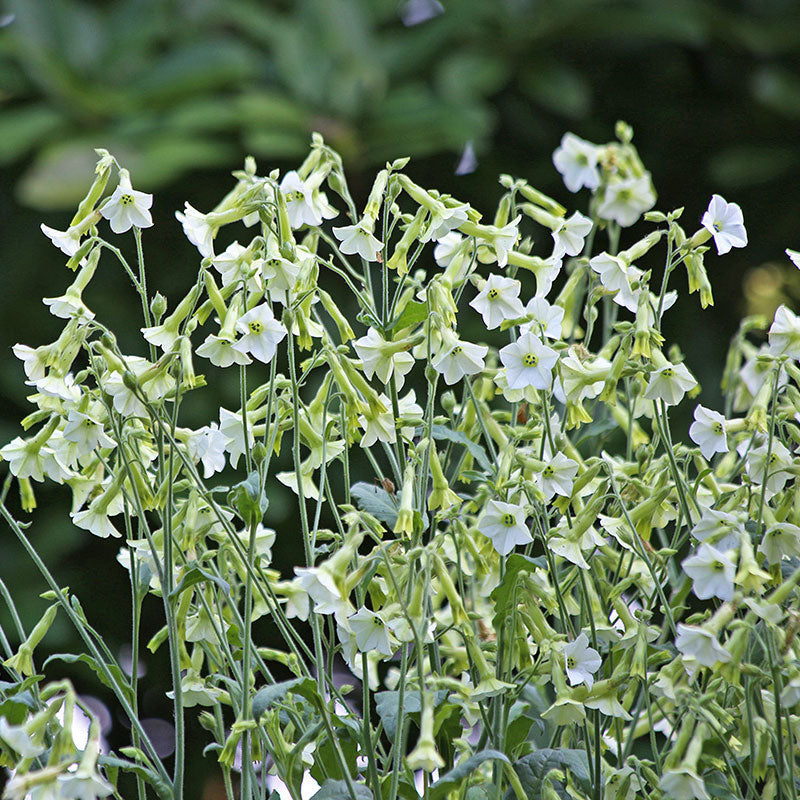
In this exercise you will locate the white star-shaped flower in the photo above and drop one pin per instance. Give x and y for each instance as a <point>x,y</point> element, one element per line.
<point>669,383</point>
<point>725,222</point>
<point>358,239</point>
<point>581,661</point>
<point>701,645</point>
<point>626,200</point>
<point>298,201</point>
<point>261,333</point>
<point>546,320</point>
<point>557,476</point>
<point>570,234</point>
<point>576,160</point>
<point>457,358</point>
<point>708,431</point>
<point>712,573</point>
<point>784,334</point>
<point>126,207</point>
<point>528,362</point>
<point>498,301</point>
<point>370,632</point>
<point>504,524</point>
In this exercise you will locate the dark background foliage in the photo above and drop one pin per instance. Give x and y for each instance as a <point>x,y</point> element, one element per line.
<point>181,90</point>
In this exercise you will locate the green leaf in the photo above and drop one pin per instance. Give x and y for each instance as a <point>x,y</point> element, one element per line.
<point>198,575</point>
<point>503,594</point>
<point>22,129</point>
<point>337,790</point>
<point>453,779</point>
<point>412,315</point>
<point>268,696</point>
<point>248,500</point>
<point>162,788</point>
<point>387,704</point>
<point>441,432</point>
<point>119,677</point>
<point>533,768</point>
<point>375,500</point>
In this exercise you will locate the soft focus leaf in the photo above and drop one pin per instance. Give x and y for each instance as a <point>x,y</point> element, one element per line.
<point>451,780</point>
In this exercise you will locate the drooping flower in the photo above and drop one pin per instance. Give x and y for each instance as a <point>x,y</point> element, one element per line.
<point>86,432</point>
<point>207,444</point>
<point>504,524</point>
<point>712,573</point>
<point>669,383</point>
<point>127,207</point>
<point>261,333</point>
<point>724,221</point>
<point>498,300</point>
<point>68,241</point>
<point>616,276</point>
<point>581,661</point>
<point>528,362</point>
<point>626,200</point>
<point>771,469</point>
<point>708,431</point>
<point>221,351</point>
<point>576,160</point>
<point>780,540</point>
<point>358,239</point>
<point>198,229</point>
<point>379,357</point>
<point>720,528</point>
<point>299,206</point>
<point>446,248</point>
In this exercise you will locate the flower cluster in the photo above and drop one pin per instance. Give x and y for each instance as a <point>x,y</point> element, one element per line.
<point>498,529</point>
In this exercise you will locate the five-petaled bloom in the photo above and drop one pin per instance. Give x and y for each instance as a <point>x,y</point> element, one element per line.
<point>528,362</point>
<point>504,524</point>
<point>581,661</point>
<point>725,222</point>
<point>127,207</point>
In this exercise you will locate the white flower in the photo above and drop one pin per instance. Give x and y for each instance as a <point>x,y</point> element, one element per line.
<point>280,275</point>
<point>262,333</point>
<point>569,235</point>
<point>359,239</point>
<point>321,586</point>
<point>546,320</point>
<point>446,248</point>
<point>670,383</point>
<point>235,264</point>
<point>380,426</point>
<point>32,459</point>
<point>682,783</point>
<point>222,352</point>
<point>232,427</point>
<point>207,444</point>
<point>34,359</point>
<point>614,275</point>
<point>503,239</point>
<point>378,358</point>
<point>19,740</point>
<point>370,632</point>
<point>557,476</point>
<point>712,573</point>
<point>504,524</point>
<point>126,207</point>
<point>708,431</point>
<point>498,301</point>
<point>720,528</point>
<point>85,784</point>
<point>86,433</point>
<point>581,661</point>
<point>298,201</point>
<point>528,362</point>
<point>68,241</point>
<point>701,645</point>
<point>626,200</point>
<point>197,229</point>
<point>780,540</point>
<point>794,256</point>
<point>784,334</point>
<point>95,520</point>
<point>444,220</point>
<point>724,221</point>
<point>576,160</point>
<point>759,468</point>
<point>457,358</point>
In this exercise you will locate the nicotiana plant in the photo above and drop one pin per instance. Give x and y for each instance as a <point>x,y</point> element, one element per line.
<point>539,587</point>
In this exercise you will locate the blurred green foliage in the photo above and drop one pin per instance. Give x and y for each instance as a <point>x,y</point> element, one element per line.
<point>175,86</point>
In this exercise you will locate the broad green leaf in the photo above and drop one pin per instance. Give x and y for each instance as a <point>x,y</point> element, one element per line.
<point>452,780</point>
<point>337,790</point>
<point>269,695</point>
<point>412,315</point>
<point>533,768</point>
<point>162,788</point>
<point>375,500</point>
<point>120,678</point>
<point>441,432</point>
<point>387,704</point>
<point>198,575</point>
